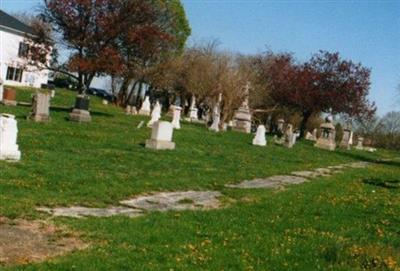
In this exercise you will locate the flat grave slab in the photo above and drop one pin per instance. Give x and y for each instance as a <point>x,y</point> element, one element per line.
<point>165,201</point>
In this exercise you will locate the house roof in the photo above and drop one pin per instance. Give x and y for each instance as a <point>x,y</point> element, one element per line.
<point>10,22</point>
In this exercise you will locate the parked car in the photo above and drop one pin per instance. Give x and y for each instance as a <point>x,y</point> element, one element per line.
<point>101,93</point>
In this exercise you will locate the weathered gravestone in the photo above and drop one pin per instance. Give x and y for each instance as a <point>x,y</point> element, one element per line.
<point>80,112</point>
<point>259,139</point>
<point>8,138</point>
<point>242,116</point>
<point>360,141</point>
<point>280,123</point>
<point>130,110</point>
<point>193,112</point>
<point>327,138</point>
<point>216,117</point>
<point>347,139</point>
<point>10,96</point>
<point>155,114</point>
<point>161,136</point>
<point>176,117</point>
<point>312,136</point>
<point>289,137</point>
<point>40,107</point>
<point>145,109</point>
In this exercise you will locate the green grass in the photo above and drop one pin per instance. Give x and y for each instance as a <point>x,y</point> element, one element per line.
<point>349,221</point>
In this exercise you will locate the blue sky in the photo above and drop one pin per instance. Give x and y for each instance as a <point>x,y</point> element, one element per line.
<point>364,31</point>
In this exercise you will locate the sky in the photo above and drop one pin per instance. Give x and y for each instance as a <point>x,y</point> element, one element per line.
<point>364,31</point>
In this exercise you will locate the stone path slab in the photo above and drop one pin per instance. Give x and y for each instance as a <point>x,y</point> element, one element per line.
<point>296,177</point>
<point>165,201</point>
<point>194,200</point>
<point>79,212</point>
<point>270,182</point>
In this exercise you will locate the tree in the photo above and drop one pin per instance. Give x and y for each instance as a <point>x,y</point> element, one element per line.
<point>88,30</point>
<point>391,123</point>
<point>325,83</point>
<point>155,34</point>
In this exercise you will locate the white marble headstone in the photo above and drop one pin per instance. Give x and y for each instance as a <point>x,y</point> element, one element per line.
<point>176,117</point>
<point>259,139</point>
<point>155,114</point>
<point>216,119</point>
<point>8,138</point>
<point>145,109</point>
<point>193,110</point>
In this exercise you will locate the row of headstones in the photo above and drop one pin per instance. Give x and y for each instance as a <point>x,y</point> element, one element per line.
<point>241,121</point>
<point>287,139</point>
<point>325,141</point>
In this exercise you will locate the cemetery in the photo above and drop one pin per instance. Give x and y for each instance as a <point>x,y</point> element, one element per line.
<point>126,144</point>
<point>99,180</point>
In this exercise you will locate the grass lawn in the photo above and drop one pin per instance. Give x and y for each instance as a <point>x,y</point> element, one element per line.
<point>349,221</point>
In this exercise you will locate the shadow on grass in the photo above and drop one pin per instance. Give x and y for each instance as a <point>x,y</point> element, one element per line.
<point>362,157</point>
<point>391,184</point>
<point>69,109</point>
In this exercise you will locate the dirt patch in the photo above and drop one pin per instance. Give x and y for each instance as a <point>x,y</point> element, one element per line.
<point>23,241</point>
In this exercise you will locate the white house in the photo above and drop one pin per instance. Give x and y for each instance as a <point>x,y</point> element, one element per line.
<point>13,64</point>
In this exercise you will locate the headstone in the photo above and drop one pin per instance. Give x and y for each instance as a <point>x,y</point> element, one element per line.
<point>312,136</point>
<point>295,137</point>
<point>1,89</point>
<point>40,107</point>
<point>288,136</point>
<point>130,110</point>
<point>242,116</point>
<point>155,114</point>
<point>10,97</point>
<point>193,110</point>
<point>315,134</point>
<point>145,109</point>
<point>259,139</point>
<point>80,112</point>
<point>176,117</point>
<point>327,138</point>
<point>105,102</point>
<point>280,123</point>
<point>161,136</point>
<point>53,93</point>
<point>8,138</point>
<point>215,118</point>
<point>360,141</point>
<point>347,139</point>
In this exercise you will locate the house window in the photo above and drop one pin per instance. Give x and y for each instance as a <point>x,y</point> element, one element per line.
<point>14,74</point>
<point>23,49</point>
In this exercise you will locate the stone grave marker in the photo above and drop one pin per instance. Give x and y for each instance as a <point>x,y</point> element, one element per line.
<point>259,139</point>
<point>155,114</point>
<point>41,107</point>
<point>145,109</point>
<point>176,117</point>
<point>327,138</point>
<point>8,138</point>
<point>161,136</point>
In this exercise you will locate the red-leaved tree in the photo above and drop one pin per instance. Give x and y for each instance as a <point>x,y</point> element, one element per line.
<point>326,83</point>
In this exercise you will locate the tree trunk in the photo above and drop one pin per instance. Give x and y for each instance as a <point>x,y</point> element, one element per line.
<point>122,94</point>
<point>303,124</point>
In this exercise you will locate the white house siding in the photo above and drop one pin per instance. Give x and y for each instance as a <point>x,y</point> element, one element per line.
<point>9,46</point>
